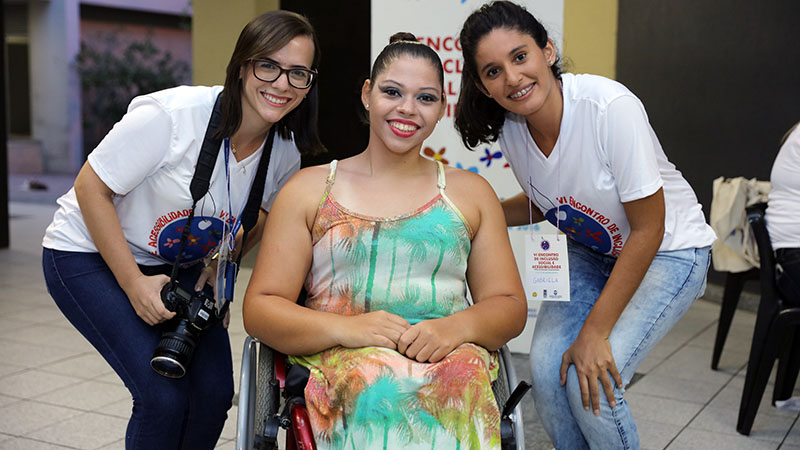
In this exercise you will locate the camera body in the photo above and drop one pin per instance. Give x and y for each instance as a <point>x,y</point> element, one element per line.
<point>195,312</point>
<point>196,307</point>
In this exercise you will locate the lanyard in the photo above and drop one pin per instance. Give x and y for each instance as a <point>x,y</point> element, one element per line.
<point>557,153</point>
<point>230,240</point>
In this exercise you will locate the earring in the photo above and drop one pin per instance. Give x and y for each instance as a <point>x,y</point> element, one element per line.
<point>366,106</point>
<point>551,62</point>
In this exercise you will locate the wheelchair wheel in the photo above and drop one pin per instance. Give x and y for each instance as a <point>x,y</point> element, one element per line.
<point>500,387</point>
<point>267,398</point>
<point>258,396</point>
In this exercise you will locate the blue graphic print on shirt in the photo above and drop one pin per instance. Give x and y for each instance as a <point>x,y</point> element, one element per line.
<point>581,227</point>
<point>203,238</point>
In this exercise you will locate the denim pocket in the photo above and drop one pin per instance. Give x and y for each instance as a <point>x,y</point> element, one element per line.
<point>75,264</point>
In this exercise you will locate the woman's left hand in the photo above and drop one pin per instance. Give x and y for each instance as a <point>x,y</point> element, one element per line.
<point>430,340</point>
<point>593,360</point>
<point>207,276</point>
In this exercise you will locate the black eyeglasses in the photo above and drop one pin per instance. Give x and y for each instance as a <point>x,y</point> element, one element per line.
<point>269,71</point>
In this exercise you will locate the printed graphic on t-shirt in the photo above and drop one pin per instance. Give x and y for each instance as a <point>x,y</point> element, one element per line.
<point>587,226</point>
<point>204,236</point>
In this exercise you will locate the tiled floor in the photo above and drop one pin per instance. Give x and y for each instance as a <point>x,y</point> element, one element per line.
<point>56,392</point>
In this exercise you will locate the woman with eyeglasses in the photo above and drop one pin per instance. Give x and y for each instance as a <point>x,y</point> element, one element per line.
<point>583,150</point>
<point>116,234</point>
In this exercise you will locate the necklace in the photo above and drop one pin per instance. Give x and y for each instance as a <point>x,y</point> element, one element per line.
<point>233,148</point>
<point>235,151</point>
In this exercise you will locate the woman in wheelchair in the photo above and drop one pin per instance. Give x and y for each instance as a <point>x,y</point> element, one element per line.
<point>397,354</point>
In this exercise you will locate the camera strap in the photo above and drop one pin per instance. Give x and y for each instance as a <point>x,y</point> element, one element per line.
<point>253,205</point>
<point>201,180</point>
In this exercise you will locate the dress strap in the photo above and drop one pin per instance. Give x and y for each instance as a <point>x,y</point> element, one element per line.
<point>441,181</point>
<point>332,173</point>
<point>328,185</point>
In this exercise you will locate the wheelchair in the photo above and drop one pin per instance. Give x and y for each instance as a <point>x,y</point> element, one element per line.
<point>271,399</point>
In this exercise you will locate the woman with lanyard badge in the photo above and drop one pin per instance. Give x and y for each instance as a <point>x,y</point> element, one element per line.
<point>111,244</point>
<point>583,150</point>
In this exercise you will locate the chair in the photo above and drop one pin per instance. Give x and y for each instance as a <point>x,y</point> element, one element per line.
<point>774,336</point>
<point>263,408</point>
<point>734,282</point>
<point>734,252</point>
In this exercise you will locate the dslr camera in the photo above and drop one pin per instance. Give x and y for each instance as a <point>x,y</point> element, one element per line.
<point>195,312</point>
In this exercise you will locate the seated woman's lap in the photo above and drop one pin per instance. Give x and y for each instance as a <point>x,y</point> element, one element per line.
<point>377,386</point>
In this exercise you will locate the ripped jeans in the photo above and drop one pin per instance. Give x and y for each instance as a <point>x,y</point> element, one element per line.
<point>673,282</point>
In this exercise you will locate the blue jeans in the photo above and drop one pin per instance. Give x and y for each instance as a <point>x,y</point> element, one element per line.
<point>673,281</point>
<point>185,413</point>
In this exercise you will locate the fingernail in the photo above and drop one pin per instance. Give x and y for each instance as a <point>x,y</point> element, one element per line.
<point>596,412</point>
<point>613,404</point>
<point>586,408</point>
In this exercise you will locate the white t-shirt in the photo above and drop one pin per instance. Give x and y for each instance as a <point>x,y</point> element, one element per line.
<point>606,154</point>
<point>148,160</point>
<point>783,210</point>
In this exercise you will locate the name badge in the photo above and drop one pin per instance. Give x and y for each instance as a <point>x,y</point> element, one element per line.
<point>546,267</point>
<point>226,279</point>
<point>227,271</point>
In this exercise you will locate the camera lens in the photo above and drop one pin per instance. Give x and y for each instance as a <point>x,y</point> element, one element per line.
<point>174,352</point>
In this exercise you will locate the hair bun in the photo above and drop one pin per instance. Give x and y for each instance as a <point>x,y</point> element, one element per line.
<point>402,36</point>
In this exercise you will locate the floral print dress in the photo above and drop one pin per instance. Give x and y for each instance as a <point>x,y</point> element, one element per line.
<point>413,266</point>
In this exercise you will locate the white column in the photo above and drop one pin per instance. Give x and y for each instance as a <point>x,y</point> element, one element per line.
<point>54,42</point>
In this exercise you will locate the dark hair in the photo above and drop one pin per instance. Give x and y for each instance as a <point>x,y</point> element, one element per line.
<point>786,136</point>
<point>404,43</point>
<point>479,118</point>
<point>261,37</point>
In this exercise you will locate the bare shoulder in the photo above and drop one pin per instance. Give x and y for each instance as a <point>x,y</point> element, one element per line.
<point>470,184</point>
<point>306,181</point>
<point>472,195</point>
<point>303,191</point>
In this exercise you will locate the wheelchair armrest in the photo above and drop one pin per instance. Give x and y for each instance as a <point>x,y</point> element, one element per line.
<point>513,400</point>
<point>511,432</point>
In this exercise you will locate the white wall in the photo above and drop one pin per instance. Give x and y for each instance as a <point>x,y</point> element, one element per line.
<point>178,7</point>
<point>54,42</point>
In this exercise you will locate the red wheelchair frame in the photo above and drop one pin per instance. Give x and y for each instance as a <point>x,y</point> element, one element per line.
<point>270,399</point>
